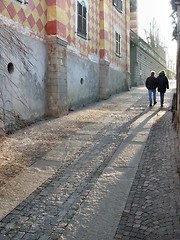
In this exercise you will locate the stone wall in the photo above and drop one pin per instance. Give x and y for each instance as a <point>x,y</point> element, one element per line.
<point>143,60</point>
<point>57,77</point>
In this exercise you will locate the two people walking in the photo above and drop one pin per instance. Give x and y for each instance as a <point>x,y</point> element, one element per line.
<point>161,83</point>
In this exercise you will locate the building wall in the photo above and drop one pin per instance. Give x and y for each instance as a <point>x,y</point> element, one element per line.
<point>23,61</point>
<point>103,20</point>
<point>119,67</point>
<point>53,68</point>
<point>112,21</point>
<point>84,55</point>
<point>134,21</point>
<point>176,120</point>
<point>133,16</point>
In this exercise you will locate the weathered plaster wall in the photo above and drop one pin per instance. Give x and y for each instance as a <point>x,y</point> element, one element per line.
<point>23,51</point>
<point>103,21</point>
<point>23,64</point>
<point>82,81</point>
<point>119,81</point>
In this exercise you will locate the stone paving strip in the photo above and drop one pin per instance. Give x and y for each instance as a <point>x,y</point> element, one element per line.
<point>78,190</point>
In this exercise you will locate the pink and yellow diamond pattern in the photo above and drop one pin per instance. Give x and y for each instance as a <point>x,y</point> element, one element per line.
<point>58,17</point>
<point>120,21</point>
<point>32,15</point>
<point>111,21</point>
<point>90,46</point>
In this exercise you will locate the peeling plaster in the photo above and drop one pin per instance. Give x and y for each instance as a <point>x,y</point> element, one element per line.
<point>10,23</point>
<point>94,58</point>
<point>74,50</point>
<point>17,26</point>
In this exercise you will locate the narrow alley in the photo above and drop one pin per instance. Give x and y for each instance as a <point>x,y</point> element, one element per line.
<point>113,174</point>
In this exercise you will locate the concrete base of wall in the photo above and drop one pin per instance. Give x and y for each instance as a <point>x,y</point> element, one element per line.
<point>82,81</point>
<point>112,81</point>
<point>119,81</point>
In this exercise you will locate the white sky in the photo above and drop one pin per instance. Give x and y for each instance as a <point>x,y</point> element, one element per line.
<point>160,10</point>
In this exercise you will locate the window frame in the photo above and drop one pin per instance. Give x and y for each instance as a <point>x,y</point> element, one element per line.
<point>118,5</point>
<point>118,44</point>
<point>82,17</point>
<point>21,3</point>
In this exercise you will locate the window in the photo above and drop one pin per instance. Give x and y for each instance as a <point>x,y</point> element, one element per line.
<point>118,44</point>
<point>133,5</point>
<point>118,5</point>
<point>81,19</point>
<point>22,1</point>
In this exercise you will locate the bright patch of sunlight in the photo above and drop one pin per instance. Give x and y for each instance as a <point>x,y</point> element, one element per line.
<point>160,10</point>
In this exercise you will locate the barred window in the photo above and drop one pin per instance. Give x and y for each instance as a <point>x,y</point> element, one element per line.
<point>81,19</point>
<point>118,5</point>
<point>118,44</point>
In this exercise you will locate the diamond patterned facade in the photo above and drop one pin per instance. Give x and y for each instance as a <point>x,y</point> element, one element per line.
<point>53,17</point>
<point>76,70</point>
<point>31,16</point>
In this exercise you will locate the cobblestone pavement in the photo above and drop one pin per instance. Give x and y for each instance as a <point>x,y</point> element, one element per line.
<point>84,199</point>
<point>153,207</point>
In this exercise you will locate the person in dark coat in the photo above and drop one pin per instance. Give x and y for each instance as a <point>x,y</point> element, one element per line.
<point>162,84</point>
<point>151,85</point>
